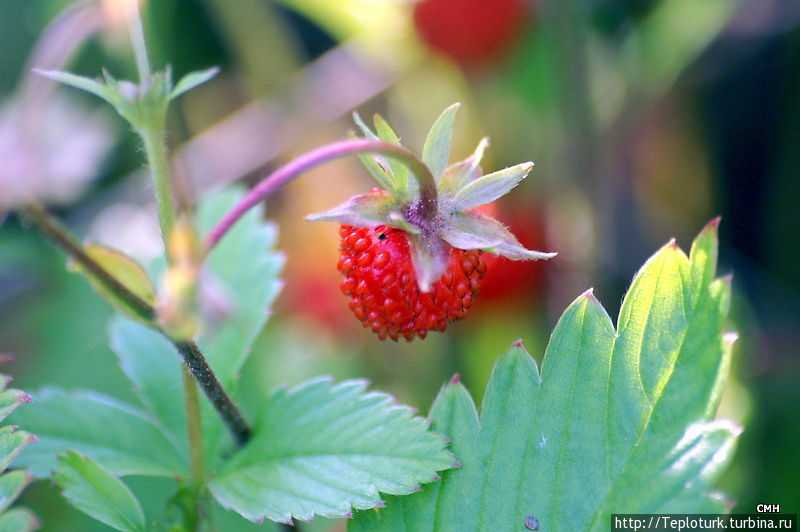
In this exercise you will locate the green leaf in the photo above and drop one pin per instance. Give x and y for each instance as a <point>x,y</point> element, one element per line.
<point>11,399</point>
<point>490,187</point>
<point>122,438</point>
<point>18,520</point>
<point>387,134</point>
<point>192,80</point>
<point>11,485</point>
<point>244,269</point>
<point>12,442</point>
<point>323,449</point>
<point>153,366</point>
<point>436,151</point>
<point>618,421</point>
<point>662,45</point>
<point>98,493</point>
<point>474,230</point>
<point>86,84</point>
<point>127,271</point>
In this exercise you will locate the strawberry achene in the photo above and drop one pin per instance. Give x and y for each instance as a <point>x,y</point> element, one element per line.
<point>382,285</point>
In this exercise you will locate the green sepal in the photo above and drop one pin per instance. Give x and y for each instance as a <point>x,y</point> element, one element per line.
<point>436,151</point>
<point>460,174</point>
<point>365,210</point>
<point>378,166</point>
<point>430,257</point>
<point>490,187</point>
<point>192,80</point>
<point>399,170</point>
<point>474,230</point>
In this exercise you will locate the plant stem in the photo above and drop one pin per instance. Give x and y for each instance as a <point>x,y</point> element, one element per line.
<point>59,235</point>
<point>153,139</point>
<point>48,225</point>
<point>329,152</point>
<point>204,376</point>
<point>194,426</point>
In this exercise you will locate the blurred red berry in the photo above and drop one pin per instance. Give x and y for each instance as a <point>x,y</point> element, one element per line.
<point>471,32</point>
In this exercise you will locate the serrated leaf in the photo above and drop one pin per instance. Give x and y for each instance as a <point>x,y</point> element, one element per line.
<point>10,400</point>
<point>490,187</point>
<point>324,448</point>
<point>619,420</point>
<point>192,80</point>
<point>387,134</point>
<point>244,268</point>
<point>11,485</point>
<point>436,151</point>
<point>18,520</point>
<point>12,442</point>
<point>122,438</point>
<point>474,230</point>
<point>364,210</point>
<point>98,493</point>
<point>83,83</point>
<point>126,270</point>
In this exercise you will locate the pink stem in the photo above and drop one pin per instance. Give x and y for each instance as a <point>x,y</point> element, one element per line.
<point>329,152</point>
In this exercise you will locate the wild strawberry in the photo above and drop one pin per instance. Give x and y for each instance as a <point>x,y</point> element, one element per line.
<point>470,32</point>
<point>382,285</point>
<point>409,270</point>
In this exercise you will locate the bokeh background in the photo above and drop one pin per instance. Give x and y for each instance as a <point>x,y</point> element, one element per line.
<point>646,119</point>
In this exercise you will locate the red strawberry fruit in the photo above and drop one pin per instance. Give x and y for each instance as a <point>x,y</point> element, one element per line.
<point>408,270</point>
<point>382,285</point>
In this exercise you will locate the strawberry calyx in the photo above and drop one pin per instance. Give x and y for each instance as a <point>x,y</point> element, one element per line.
<point>439,218</point>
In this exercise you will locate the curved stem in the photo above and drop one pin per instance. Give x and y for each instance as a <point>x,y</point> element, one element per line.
<point>329,152</point>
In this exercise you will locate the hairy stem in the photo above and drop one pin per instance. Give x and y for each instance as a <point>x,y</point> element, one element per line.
<point>329,152</point>
<point>204,376</point>
<point>153,139</point>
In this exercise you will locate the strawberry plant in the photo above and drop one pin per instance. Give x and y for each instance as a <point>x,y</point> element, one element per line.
<point>619,419</point>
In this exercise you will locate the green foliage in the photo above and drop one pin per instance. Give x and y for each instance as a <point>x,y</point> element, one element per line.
<point>317,449</point>
<point>322,448</point>
<point>97,492</point>
<point>12,442</point>
<point>127,271</point>
<point>618,421</point>
<point>122,438</point>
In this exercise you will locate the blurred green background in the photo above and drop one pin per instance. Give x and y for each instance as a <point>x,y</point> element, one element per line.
<point>645,118</point>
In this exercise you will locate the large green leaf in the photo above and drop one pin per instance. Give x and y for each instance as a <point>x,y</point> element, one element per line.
<point>95,491</point>
<point>618,421</point>
<point>244,269</point>
<point>122,438</point>
<point>324,449</point>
